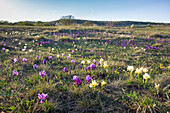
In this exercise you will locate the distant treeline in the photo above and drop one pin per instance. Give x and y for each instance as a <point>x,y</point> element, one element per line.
<point>81,22</point>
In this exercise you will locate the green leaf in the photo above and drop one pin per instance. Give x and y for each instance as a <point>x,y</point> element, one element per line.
<point>12,107</point>
<point>46,101</point>
<point>17,99</point>
<point>129,82</point>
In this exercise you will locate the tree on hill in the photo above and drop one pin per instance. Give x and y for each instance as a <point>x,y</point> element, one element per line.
<point>67,21</point>
<point>46,24</point>
<point>5,23</point>
<point>25,23</point>
<point>39,23</point>
<point>87,23</point>
<point>67,17</point>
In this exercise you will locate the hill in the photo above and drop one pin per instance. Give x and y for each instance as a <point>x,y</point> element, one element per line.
<point>79,22</point>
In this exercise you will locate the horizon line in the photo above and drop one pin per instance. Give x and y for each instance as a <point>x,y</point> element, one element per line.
<point>89,20</point>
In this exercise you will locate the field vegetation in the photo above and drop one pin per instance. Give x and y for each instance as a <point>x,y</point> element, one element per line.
<point>84,69</point>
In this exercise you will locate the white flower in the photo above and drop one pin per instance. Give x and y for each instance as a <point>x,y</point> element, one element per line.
<point>93,84</point>
<point>146,76</point>
<point>138,71</point>
<point>157,86</point>
<point>82,62</point>
<point>141,68</point>
<point>130,68</point>
<point>58,55</point>
<point>101,61</point>
<point>103,83</point>
<point>105,62</point>
<point>145,70</point>
<point>30,50</point>
<point>52,49</point>
<point>23,49</point>
<point>88,61</point>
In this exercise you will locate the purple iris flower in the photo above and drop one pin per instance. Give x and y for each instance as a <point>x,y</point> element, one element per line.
<point>92,66</point>
<point>88,67</point>
<point>72,51</point>
<point>42,73</point>
<point>44,61</point>
<point>15,73</point>
<point>50,100</point>
<point>73,61</point>
<point>3,49</point>
<point>78,82</point>
<point>81,67</point>
<point>99,64</point>
<point>24,60</point>
<point>65,69</point>
<point>34,66</point>
<point>86,39</point>
<point>156,48</point>
<point>68,57</point>
<point>94,61</point>
<point>88,78</point>
<point>42,97</point>
<point>50,57</point>
<point>75,78</point>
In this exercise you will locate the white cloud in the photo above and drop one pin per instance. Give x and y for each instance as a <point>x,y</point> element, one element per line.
<point>9,11</point>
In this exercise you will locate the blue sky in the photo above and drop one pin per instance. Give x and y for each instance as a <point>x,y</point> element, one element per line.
<point>108,10</point>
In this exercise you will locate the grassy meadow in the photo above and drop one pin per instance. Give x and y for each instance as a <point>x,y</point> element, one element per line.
<point>84,69</point>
